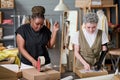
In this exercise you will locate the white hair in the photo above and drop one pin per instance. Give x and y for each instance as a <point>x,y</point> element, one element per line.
<point>90,18</point>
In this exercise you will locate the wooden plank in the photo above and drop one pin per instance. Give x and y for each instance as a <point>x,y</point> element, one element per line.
<point>108,14</point>
<point>100,6</point>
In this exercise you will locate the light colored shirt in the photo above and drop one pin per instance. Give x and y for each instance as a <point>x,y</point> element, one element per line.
<point>90,38</point>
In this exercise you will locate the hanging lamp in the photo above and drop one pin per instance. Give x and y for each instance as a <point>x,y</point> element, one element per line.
<point>61,6</point>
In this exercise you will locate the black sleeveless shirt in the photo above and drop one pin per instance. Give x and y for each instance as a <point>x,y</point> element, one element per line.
<point>35,42</point>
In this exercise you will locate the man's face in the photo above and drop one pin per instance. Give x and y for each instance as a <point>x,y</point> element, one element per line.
<point>90,27</point>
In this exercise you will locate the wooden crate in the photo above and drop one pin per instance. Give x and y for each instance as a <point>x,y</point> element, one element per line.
<point>36,75</point>
<point>107,2</point>
<point>90,74</point>
<point>117,77</point>
<point>9,74</point>
<point>82,3</point>
<point>7,3</point>
<point>87,3</point>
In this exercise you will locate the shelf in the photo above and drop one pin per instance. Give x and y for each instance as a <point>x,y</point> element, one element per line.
<point>11,39</point>
<point>100,6</point>
<point>6,9</point>
<point>8,29</point>
<point>6,25</point>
